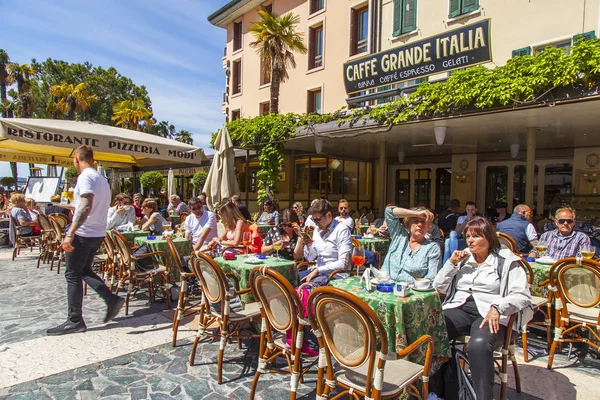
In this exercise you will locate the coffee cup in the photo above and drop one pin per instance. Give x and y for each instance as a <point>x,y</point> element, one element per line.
<point>126,208</point>
<point>422,283</point>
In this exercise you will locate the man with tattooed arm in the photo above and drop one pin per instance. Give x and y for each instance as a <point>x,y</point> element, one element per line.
<point>82,239</point>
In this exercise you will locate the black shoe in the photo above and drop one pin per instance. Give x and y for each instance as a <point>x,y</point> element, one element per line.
<point>66,328</point>
<point>113,307</point>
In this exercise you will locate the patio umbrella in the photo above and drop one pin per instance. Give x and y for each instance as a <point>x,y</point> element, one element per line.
<point>115,185</point>
<point>171,183</point>
<point>221,182</point>
<point>101,169</point>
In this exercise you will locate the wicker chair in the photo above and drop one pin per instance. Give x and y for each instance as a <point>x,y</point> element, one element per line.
<point>507,242</point>
<point>20,242</point>
<point>47,239</point>
<point>182,217</point>
<point>183,308</point>
<point>577,298</point>
<point>135,279</point>
<point>62,220</point>
<point>538,304</point>
<point>215,289</point>
<point>59,253</point>
<point>354,350</point>
<point>281,312</point>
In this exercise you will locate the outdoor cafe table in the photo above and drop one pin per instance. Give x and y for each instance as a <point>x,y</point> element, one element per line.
<point>380,245</point>
<point>540,274</point>
<point>241,270</point>
<point>405,319</point>
<point>184,247</point>
<point>130,236</point>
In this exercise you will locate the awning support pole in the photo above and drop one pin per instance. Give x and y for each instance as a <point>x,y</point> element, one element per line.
<point>382,177</point>
<point>530,166</point>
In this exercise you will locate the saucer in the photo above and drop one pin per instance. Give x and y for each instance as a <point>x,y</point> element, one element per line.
<point>253,260</point>
<point>429,289</point>
<point>545,260</point>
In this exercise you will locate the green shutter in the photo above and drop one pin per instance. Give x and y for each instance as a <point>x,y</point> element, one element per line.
<point>409,15</point>
<point>469,6</point>
<point>525,51</point>
<point>585,36</point>
<point>454,8</point>
<point>397,17</point>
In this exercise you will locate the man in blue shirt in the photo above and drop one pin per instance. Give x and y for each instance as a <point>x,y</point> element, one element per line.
<point>519,227</point>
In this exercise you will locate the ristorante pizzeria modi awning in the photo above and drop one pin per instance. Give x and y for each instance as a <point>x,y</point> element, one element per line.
<point>58,138</point>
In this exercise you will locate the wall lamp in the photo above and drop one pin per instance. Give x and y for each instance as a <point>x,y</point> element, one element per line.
<point>461,178</point>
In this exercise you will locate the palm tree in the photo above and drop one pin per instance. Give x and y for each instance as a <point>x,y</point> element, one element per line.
<point>71,98</point>
<point>5,81</point>
<point>130,114</point>
<point>184,136</point>
<point>276,42</point>
<point>21,73</point>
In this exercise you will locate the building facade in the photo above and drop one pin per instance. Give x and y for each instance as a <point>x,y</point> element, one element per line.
<point>535,155</point>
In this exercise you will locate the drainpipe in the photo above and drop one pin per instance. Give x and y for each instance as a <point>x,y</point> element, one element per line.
<point>374,26</point>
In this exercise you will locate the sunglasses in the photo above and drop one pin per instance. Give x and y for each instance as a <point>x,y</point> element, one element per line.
<point>318,219</point>
<point>564,221</point>
<point>286,225</point>
<point>196,208</point>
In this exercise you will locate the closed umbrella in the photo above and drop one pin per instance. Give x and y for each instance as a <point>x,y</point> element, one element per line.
<point>101,169</point>
<point>221,182</point>
<point>171,183</point>
<point>115,186</point>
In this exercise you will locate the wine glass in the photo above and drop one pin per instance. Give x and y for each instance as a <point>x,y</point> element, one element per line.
<point>247,240</point>
<point>358,258</point>
<point>541,248</point>
<point>181,231</point>
<point>277,246</point>
<point>166,226</point>
<point>587,251</point>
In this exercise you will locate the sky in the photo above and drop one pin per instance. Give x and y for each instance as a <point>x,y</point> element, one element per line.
<point>168,46</point>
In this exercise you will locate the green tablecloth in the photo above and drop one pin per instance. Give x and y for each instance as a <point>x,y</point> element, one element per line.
<point>405,319</point>
<point>540,274</point>
<point>263,229</point>
<point>241,270</point>
<point>131,236</point>
<point>376,244</point>
<point>184,247</point>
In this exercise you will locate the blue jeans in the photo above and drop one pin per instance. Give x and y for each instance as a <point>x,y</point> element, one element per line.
<point>79,269</point>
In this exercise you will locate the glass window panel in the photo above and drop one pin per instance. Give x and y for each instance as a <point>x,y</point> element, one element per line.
<point>496,185</point>
<point>558,181</point>
<point>443,181</point>
<point>336,177</point>
<point>350,179</point>
<point>402,198</point>
<point>423,187</point>
<point>319,185</point>
<point>363,31</point>
<point>365,181</point>
<point>301,180</point>
<point>317,102</point>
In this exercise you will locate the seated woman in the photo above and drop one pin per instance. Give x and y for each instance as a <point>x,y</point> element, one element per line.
<point>269,215</point>
<point>483,286</point>
<point>235,226</point>
<point>152,219</point>
<point>299,209</point>
<point>286,234</point>
<point>410,254</point>
<point>20,213</point>
<point>34,210</point>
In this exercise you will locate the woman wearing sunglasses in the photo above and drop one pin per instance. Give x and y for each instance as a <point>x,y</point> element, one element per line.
<point>285,235</point>
<point>152,219</point>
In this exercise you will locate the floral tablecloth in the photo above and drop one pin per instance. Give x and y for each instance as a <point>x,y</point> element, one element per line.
<point>184,247</point>
<point>405,319</point>
<point>241,270</point>
<point>540,274</point>
<point>376,244</point>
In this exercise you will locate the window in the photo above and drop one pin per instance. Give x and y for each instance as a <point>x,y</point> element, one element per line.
<point>564,45</point>
<point>443,186</point>
<point>237,35</point>
<point>315,47</point>
<point>403,188</point>
<point>525,51</point>
<point>460,7</point>
<point>359,30</point>
<point>237,77</point>
<point>422,193</point>
<point>265,73</point>
<point>405,16</point>
<point>265,108</point>
<point>585,36</point>
<point>235,114</point>
<point>387,99</point>
<point>314,102</point>
<point>269,8</point>
<point>316,5</point>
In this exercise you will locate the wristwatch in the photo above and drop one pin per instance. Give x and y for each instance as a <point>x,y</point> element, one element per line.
<point>69,234</point>
<point>495,307</point>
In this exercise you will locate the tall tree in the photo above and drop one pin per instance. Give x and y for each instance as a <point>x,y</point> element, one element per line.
<point>71,98</point>
<point>276,42</point>
<point>5,81</point>
<point>164,129</point>
<point>132,114</point>
<point>184,136</point>
<point>22,74</point>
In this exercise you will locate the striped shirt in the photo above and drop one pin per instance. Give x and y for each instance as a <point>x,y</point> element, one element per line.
<point>564,246</point>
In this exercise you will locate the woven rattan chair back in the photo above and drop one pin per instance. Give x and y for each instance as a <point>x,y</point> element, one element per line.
<point>356,242</point>
<point>44,223</point>
<point>278,297</point>
<point>61,219</point>
<point>176,255</point>
<point>349,329</point>
<point>58,228</point>
<point>507,242</point>
<point>182,217</point>
<point>580,283</point>
<point>123,248</point>
<point>211,277</point>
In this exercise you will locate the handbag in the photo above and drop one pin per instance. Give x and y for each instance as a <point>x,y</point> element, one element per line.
<point>144,264</point>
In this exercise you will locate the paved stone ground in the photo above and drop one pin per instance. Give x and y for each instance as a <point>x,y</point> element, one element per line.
<point>31,300</point>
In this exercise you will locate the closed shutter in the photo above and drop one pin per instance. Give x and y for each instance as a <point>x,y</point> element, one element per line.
<point>454,8</point>
<point>585,36</point>
<point>398,17</point>
<point>469,6</point>
<point>525,51</point>
<point>409,17</point>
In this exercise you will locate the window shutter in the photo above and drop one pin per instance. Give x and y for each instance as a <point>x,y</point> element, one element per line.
<point>397,17</point>
<point>585,36</point>
<point>525,51</point>
<point>469,5</point>
<point>409,15</point>
<point>454,8</point>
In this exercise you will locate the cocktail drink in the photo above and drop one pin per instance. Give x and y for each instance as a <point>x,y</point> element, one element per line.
<point>358,258</point>
<point>277,246</point>
<point>247,240</point>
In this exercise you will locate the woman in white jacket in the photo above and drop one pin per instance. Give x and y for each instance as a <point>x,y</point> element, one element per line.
<point>483,286</point>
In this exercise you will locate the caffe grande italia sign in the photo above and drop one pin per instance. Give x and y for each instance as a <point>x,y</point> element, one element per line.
<point>459,48</point>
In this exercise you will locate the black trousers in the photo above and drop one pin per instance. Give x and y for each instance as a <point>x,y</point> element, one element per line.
<point>465,320</point>
<point>79,269</point>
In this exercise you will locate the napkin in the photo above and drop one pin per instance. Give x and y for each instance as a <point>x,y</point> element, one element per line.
<point>366,276</point>
<point>126,227</point>
<point>380,275</point>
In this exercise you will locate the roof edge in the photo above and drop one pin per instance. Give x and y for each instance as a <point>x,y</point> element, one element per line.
<point>224,11</point>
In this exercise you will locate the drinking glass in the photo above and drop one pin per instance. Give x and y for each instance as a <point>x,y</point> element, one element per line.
<point>358,258</point>
<point>588,251</point>
<point>247,240</point>
<point>277,246</point>
<point>358,226</point>
<point>541,248</point>
<point>166,227</point>
<point>181,231</point>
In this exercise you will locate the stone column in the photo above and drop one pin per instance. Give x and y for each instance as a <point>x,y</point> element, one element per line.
<point>530,166</point>
<point>382,177</point>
